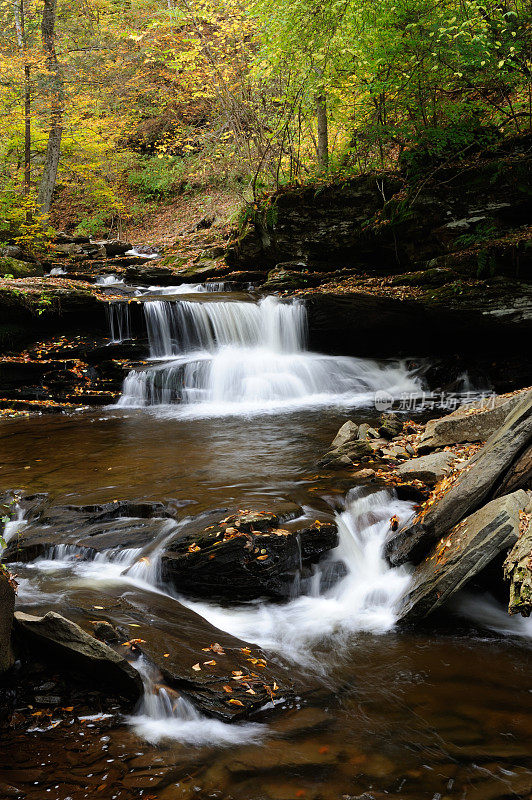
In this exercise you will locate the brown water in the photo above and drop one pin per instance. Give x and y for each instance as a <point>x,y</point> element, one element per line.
<point>437,714</point>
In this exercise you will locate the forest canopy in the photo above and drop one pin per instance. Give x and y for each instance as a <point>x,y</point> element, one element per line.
<point>109,106</point>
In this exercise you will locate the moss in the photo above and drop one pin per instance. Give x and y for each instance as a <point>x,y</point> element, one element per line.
<point>19,269</point>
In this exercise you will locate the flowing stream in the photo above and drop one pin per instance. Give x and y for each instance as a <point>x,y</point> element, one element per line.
<point>232,411</point>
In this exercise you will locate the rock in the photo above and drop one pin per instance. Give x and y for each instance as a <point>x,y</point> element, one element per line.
<point>67,645</point>
<point>105,632</point>
<point>85,531</point>
<point>428,469</point>
<point>366,431</point>
<point>346,453</point>
<point>390,426</point>
<point>7,607</point>
<point>17,268</point>
<point>517,570</point>
<point>177,640</point>
<point>463,553</point>
<point>476,483</point>
<point>291,275</point>
<point>114,247</point>
<point>347,433</point>
<point>463,426</point>
<point>244,557</point>
<point>519,476</point>
<point>364,474</point>
<point>12,251</point>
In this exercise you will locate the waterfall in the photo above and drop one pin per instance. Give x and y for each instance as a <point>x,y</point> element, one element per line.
<point>364,600</point>
<point>119,321</point>
<point>183,288</point>
<point>225,357</point>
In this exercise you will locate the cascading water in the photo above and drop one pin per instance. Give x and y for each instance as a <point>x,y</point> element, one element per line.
<point>183,288</point>
<point>226,358</point>
<point>119,321</point>
<point>364,600</point>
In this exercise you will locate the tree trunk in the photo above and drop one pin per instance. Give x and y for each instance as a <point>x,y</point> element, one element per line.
<point>323,134</point>
<point>18,11</point>
<point>49,177</point>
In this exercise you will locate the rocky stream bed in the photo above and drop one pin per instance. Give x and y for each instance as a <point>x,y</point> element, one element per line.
<point>247,569</point>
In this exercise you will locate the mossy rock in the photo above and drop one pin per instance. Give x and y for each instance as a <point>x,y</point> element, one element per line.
<point>19,269</point>
<point>436,276</point>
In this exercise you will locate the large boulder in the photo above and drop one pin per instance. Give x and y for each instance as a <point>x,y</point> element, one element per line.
<point>518,570</point>
<point>245,556</point>
<point>66,644</point>
<point>519,476</point>
<point>462,553</point>
<point>114,247</point>
<point>428,469</point>
<point>477,481</point>
<point>7,607</point>
<point>470,423</point>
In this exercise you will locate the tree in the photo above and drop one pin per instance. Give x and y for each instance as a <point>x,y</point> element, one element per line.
<point>57,92</point>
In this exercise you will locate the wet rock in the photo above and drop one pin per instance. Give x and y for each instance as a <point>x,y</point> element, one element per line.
<point>67,645</point>
<point>428,469</point>
<point>464,426</point>
<point>347,433</point>
<point>518,572</point>
<point>476,483</point>
<point>462,553</point>
<point>290,275</point>
<point>114,247</point>
<point>7,607</point>
<point>346,454</point>
<point>366,431</point>
<point>244,557</point>
<point>223,676</point>
<point>105,632</point>
<point>82,541</point>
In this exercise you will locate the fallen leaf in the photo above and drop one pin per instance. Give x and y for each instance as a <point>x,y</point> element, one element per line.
<point>196,667</point>
<point>235,702</point>
<point>209,663</point>
<point>227,689</point>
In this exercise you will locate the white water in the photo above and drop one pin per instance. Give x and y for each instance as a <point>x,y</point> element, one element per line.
<point>164,714</point>
<point>364,600</point>
<point>57,271</point>
<point>182,288</point>
<point>135,252</point>
<point>222,358</point>
<point>14,525</point>
<point>109,279</point>
<point>119,321</point>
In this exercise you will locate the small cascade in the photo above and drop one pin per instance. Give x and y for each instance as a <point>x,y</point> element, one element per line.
<point>364,600</point>
<point>13,526</point>
<point>165,714</point>
<point>110,279</point>
<point>183,288</point>
<point>243,357</point>
<point>119,321</point>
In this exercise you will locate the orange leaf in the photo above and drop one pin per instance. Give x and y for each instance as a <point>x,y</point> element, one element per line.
<point>235,702</point>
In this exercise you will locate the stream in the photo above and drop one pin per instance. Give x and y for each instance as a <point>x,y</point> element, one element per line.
<point>231,410</point>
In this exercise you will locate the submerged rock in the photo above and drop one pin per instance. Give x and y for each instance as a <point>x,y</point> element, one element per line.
<point>462,553</point>
<point>477,481</point>
<point>245,556</point>
<point>66,644</point>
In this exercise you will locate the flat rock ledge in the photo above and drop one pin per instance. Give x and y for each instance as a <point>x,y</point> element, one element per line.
<point>463,553</point>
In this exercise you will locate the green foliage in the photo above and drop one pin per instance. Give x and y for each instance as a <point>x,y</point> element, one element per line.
<point>435,147</point>
<point>155,178</point>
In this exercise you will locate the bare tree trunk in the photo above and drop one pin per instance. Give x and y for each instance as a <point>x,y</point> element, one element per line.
<point>323,133</point>
<point>18,11</point>
<point>49,177</point>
